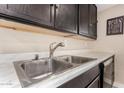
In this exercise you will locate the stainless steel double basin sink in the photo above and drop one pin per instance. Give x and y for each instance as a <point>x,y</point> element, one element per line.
<point>33,71</point>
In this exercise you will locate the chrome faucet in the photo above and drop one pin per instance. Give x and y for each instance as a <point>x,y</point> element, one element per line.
<point>52,49</point>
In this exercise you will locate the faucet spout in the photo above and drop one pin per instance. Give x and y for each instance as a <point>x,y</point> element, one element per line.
<point>53,48</point>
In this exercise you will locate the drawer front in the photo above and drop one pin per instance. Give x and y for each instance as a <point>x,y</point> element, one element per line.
<point>95,83</point>
<point>83,80</point>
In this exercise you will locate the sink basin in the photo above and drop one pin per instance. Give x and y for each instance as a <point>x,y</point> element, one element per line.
<point>36,70</point>
<point>75,59</point>
<point>42,67</point>
<point>32,71</point>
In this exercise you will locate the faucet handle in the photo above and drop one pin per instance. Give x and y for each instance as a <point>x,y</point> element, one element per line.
<point>62,44</point>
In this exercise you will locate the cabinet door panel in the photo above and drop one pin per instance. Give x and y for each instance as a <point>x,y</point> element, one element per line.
<point>95,83</point>
<point>17,12</point>
<point>3,6</point>
<point>88,20</point>
<point>17,8</point>
<point>83,19</point>
<point>42,13</point>
<point>83,80</point>
<point>37,13</point>
<point>66,17</point>
<point>93,20</point>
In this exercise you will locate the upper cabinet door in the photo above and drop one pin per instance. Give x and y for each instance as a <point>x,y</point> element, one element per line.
<point>41,14</point>
<point>88,20</point>
<point>83,19</point>
<point>3,6</point>
<point>93,20</point>
<point>17,9</point>
<point>66,17</point>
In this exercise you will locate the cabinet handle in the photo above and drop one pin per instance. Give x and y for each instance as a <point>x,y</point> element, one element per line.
<point>57,6</point>
<point>51,5</point>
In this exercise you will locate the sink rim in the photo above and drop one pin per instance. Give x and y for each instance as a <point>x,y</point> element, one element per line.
<point>89,59</point>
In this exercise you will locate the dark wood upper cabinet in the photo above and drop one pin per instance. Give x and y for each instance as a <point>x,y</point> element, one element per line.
<point>88,20</point>
<point>43,13</point>
<point>66,17</point>
<point>17,8</point>
<point>93,20</point>
<point>78,19</point>
<point>3,6</point>
<point>83,19</point>
<point>39,13</point>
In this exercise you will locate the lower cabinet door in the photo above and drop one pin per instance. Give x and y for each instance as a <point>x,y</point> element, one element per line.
<point>95,83</point>
<point>83,80</point>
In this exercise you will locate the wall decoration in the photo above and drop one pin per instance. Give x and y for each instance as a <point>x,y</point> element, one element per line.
<point>115,26</point>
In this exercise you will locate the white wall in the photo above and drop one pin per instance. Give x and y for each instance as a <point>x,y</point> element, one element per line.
<point>114,43</point>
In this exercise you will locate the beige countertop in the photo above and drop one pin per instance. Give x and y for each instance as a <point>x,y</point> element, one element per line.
<point>9,78</point>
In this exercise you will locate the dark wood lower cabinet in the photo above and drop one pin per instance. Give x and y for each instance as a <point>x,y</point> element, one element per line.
<point>84,80</point>
<point>95,83</point>
<point>93,78</point>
